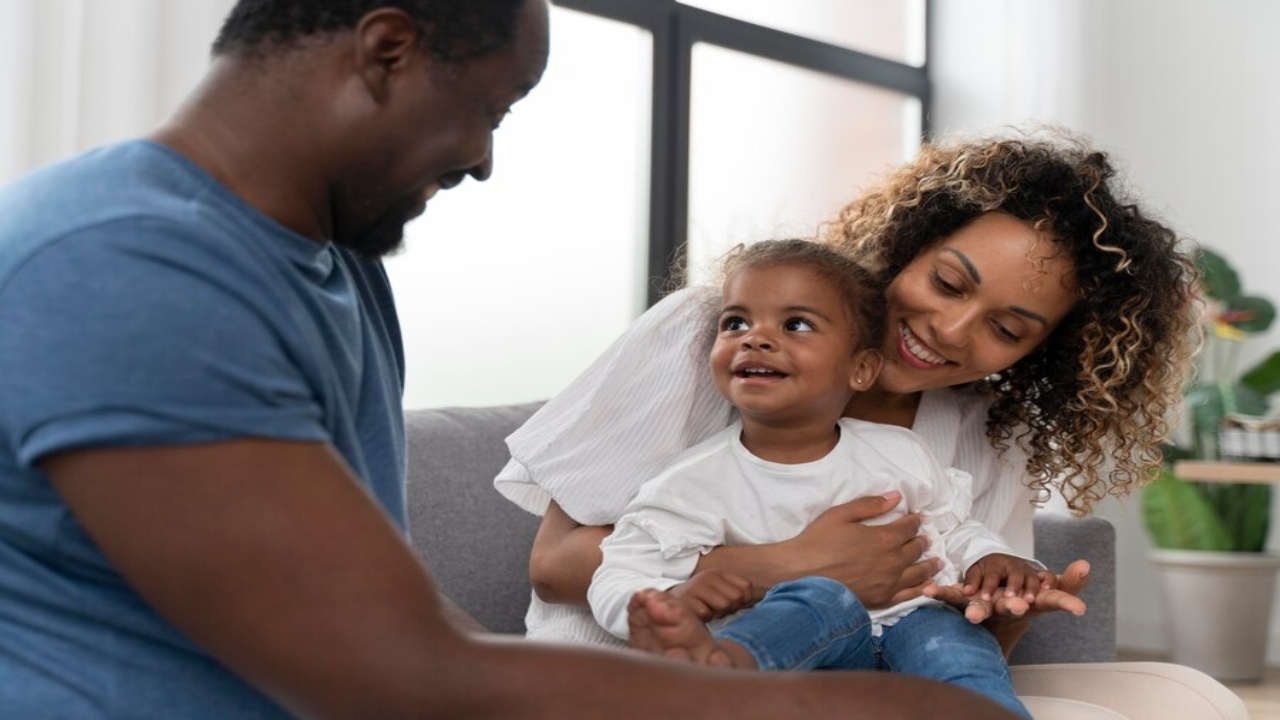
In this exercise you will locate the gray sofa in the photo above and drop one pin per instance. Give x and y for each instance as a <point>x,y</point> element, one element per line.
<point>476,543</point>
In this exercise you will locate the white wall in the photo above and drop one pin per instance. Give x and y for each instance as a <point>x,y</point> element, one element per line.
<point>1185,93</point>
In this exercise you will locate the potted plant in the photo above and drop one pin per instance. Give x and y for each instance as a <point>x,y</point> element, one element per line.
<point>1210,537</point>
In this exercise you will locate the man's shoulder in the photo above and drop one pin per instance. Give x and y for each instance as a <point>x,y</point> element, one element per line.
<point>133,184</point>
<point>98,177</point>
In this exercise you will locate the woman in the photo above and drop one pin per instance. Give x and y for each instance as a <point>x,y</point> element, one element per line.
<point>1025,345</point>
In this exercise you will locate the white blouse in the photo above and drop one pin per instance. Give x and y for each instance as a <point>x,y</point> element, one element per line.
<point>650,397</point>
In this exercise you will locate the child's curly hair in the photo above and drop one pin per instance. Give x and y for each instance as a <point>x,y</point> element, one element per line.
<point>862,291</point>
<point>1091,404</point>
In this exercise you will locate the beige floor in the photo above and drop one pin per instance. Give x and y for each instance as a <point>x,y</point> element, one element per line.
<point>1262,698</point>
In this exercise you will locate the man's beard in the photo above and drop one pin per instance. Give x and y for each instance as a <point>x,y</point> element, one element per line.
<point>383,235</point>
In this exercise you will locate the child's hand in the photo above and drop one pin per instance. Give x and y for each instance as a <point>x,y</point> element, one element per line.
<point>998,574</point>
<point>1057,593</point>
<point>714,594</point>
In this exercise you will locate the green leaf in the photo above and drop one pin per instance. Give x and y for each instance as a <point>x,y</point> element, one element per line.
<point>1178,517</point>
<point>1248,401</point>
<point>1220,280</point>
<point>1264,378</point>
<point>1245,511</point>
<point>1173,453</point>
<point>1257,313</point>
<point>1223,517</point>
<point>1205,403</point>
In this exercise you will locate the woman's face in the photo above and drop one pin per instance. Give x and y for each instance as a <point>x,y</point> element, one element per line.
<point>974,304</point>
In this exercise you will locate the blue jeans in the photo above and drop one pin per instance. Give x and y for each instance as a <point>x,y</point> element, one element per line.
<point>817,623</point>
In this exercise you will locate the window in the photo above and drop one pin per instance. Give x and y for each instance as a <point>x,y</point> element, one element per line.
<point>507,289</point>
<point>662,131</point>
<point>774,150</point>
<point>892,29</point>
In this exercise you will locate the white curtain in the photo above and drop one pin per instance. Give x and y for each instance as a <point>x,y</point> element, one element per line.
<point>79,73</point>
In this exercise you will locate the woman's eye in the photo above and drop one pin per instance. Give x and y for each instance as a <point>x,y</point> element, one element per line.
<point>733,324</point>
<point>1006,333</point>
<point>797,325</point>
<point>946,286</point>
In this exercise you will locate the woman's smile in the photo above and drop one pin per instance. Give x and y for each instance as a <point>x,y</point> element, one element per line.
<point>914,351</point>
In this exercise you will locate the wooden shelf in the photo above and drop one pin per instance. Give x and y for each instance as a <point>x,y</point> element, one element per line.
<point>1228,472</point>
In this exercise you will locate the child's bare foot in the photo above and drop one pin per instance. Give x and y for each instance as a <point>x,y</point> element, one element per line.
<point>663,625</point>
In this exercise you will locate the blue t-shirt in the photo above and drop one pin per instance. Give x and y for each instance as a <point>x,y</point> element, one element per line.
<point>143,304</point>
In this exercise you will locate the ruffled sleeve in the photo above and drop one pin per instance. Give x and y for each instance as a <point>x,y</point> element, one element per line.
<point>648,398</point>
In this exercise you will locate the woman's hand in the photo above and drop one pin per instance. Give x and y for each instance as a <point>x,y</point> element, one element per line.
<point>999,575</point>
<point>879,563</point>
<point>1008,617</point>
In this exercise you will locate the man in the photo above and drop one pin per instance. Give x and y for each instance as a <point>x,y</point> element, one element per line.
<point>201,509</point>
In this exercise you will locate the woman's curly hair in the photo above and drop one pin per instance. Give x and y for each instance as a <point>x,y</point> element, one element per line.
<point>1091,404</point>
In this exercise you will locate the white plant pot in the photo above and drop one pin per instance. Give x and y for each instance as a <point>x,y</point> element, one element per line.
<point>1218,609</point>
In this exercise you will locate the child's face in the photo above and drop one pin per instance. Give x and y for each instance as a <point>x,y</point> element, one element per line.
<point>784,348</point>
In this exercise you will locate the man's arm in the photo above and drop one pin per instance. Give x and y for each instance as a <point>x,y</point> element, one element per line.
<point>459,618</point>
<point>271,557</point>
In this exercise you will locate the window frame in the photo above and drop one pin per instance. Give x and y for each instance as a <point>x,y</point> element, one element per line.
<point>675,29</point>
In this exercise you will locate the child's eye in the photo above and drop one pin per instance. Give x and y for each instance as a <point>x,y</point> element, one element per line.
<point>733,324</point>
<point>797,325</point>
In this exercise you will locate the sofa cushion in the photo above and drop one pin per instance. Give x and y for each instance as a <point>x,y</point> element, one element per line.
<point>1059,637</point>
<point>475,542</point>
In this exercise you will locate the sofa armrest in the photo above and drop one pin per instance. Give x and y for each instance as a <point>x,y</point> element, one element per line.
<point>1063,638</point>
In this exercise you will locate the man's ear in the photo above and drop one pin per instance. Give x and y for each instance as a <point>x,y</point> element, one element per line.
<point>387,41</point>
<point>864,369</point>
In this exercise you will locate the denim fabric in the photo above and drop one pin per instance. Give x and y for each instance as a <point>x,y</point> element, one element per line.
<point>817,623</point>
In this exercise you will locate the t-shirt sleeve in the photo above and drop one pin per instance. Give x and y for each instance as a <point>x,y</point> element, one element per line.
<point>648,398</point>
<point>135,342</point>
<point>656,544</point>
